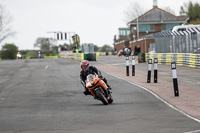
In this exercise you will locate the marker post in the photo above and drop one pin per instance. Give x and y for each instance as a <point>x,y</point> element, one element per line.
<point>127,65</point>
<point>175,81</point>
<point>155,70</point>
<point>149,70</point>
<point>133,65</point>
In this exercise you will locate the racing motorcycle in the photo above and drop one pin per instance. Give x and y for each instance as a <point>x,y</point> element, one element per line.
<point>98,89</point>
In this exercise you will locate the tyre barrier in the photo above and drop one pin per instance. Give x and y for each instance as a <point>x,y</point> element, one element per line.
<point>84,56</point>
<point>181,59</point>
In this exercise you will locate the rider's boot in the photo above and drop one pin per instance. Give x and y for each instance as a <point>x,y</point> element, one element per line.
<point>109,88</point>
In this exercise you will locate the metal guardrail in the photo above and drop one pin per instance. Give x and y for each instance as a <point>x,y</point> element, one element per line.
<point>182,59</point>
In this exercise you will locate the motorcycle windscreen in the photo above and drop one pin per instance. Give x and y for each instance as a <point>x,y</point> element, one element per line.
<point>89,77</point>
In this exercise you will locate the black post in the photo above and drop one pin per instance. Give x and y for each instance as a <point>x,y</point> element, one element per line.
<point>155,70</point>
<point>149,71</point>
<point>127,65</point>
<point>175,81</point>
<point>133,65</point>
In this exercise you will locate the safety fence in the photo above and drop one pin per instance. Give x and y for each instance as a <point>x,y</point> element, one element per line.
<point>183,59</point>
<point>186,40</point>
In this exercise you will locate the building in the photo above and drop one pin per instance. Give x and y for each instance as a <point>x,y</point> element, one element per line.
<point>153,21</point>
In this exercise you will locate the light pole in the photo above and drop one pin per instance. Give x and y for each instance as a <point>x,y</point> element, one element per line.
<point>137,29</point>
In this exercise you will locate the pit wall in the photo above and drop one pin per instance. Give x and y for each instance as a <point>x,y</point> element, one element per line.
<point>83,56</point>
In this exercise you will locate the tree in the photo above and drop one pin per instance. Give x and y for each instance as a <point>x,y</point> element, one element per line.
<point>44,44</point>
<point>54,49</point>
<point>32,53</point>
<point>106,48</point>
<point>9,51</point>
<point>184,9</point>
<point>133,11</point>
<point>5,24</point>
<point>192,11</point>
<point>96,48</point>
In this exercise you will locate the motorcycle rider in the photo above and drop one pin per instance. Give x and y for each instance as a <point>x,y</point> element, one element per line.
<point>86,69</point>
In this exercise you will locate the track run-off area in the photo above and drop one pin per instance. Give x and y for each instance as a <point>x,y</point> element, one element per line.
<point>46,96</point>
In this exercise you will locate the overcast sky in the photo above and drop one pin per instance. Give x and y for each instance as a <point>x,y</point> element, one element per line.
<point>95,21</point>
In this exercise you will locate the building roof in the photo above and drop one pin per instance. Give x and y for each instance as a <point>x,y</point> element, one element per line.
<point>123,28</point>
<point>157,15</point>
<point>169,33</point>
<point>183,17</point>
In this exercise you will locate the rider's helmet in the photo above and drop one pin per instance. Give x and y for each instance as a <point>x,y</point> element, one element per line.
<point>84,65</point>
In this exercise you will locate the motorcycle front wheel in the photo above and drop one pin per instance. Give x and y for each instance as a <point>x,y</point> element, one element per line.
<point>101,97</point>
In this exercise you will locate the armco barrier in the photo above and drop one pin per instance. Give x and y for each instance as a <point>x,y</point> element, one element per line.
<point>78,56</point>
<point>47,57</point>
<point>198,61</point>
<point>183,59</point>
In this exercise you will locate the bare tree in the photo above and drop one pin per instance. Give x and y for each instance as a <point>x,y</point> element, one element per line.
<point>184,8</point>
<point>5,24</point>
<point>44,44</point>
<point>168,9</point>
<point>133,11</point>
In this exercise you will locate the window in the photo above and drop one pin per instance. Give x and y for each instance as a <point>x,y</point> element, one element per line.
<point>170,26</point>
<point>143,27</point>
<point>146,27</point>
<point>128,32</point>
<point>151,27</point>
<point>124,32</point>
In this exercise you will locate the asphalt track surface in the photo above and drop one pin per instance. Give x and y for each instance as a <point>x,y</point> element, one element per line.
<point>45,96</point>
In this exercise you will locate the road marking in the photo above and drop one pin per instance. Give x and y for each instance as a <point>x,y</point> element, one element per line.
<point>158,97</point>
<point>196,131</point>
<point>46,67</point>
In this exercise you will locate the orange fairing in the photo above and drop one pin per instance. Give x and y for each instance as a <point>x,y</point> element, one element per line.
<point>94,82</point>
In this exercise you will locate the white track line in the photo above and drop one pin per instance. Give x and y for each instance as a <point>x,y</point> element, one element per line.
<point>158,97</point>
<point>46,67</point>
<point>196,131</point>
